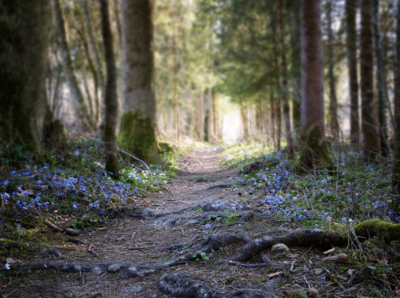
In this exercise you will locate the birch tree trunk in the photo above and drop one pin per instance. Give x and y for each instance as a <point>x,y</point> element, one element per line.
<point>285,101</point>
<point>137,127</point>
<point>369,128</point>
<point>68,66</point>
<point>351,43</point>
<point>380,82</point>
<point>110,98</point>
<point>314,150</point>
<point>23,65</point>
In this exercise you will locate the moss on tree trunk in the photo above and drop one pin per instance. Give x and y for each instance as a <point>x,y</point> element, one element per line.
<point>137,136</point>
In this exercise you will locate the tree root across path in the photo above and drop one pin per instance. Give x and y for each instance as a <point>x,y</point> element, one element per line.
<point>183,286</point>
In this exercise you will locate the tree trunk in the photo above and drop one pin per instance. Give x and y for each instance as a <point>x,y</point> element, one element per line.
<point>110,98</point>
<point>285,101</point>
<point>23,65</point>
<point>244,121</point>
<point>200,116</point>
<point>381,83</point>
<point>296,69</point>
<point>333,117</point>
<point>272,119</point>
<point>99,71</point>
<point>68,66</point>
<point>351,43</point>
<point>396,139</point>
<point>117,20</point>
<point>137,128</point>
<point>369,128</point>
<point>278,109</point>
<point>314,150</point>
<point>175,70</point>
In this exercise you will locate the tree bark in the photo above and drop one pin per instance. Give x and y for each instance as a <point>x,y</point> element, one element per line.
<point>396,139</point>
<point>23,65</point>
<point>351,43</point>
<point>137,128</point>
<point>314,150</point>
<point>68,66</point>
<point>369,128</point>
<point>380,82</point>
<point>175,70</point>
<point>296,69</point>
<point>285,101</point>
<point>333,117</point>
<point>110,98</point>
<point>99,71</point>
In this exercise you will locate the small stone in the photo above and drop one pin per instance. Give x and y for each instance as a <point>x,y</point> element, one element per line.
<point>134,289</point>
<point>279,248</point>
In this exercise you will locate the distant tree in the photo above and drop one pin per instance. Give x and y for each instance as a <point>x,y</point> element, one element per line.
<point>23,65</point>
<point>68,66</point>
<point>396,139</point>
<point>110,98</point>
<point>380,82</point>
<point>369,127</point>
<point>285,89</point>
<point>351,44</point>
<point>137,127</point>
<point>333,117</point>
<point>314,150</point>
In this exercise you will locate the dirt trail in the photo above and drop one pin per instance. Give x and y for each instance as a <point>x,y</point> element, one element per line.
<point>135,240</point>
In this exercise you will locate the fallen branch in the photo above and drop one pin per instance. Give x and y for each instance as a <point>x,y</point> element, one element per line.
<point>134,157</point>
<point>52,226</point>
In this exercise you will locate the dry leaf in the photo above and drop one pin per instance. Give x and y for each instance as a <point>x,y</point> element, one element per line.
<point>293,256</point>
<point>338,258</point>
<point>28,192</point>
<point>13,261</point>
<point>350,271</point>
<point>385,262</point>
<point>312,292</point>
<point>328,252</point>
<point>318,270</point>
<point>272,275</point>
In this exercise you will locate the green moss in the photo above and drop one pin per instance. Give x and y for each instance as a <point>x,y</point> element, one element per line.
<point>165,147</point>
<point>377,227</point>
<point>314,151</point>
<point>137,136</point>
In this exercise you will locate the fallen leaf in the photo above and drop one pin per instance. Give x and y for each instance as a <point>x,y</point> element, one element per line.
<point>350,271</point>
<point>272,275</point>
<point>385,262</point>
<point>312,292</point>
<point>318,270</point>
<point>293,256</point>
<point>13,261</point>
<point>328,252</point>
<point>338,258</point>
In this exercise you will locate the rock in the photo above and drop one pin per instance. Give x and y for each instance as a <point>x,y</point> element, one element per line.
<point>134,289</point>
<point>280,248</point>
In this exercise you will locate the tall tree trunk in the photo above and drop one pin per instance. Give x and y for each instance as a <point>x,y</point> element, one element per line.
<point>200,116</point>
<point>314,150</point>
<point>369,128</point>
<point>93,45</point>
<point>117,19</point>
<point>175,70</point>
<point>137,127</point>
<point>351,43</point>
<point>285,101</point>
<point>381,83</point>
<point>259,116</point>
<point>333,117</point>
<point>272,119</point>
<point>278,109</point>
<point>67,63</point>
<point>396,157</point>
<point>295,34</point>
<point>23,65</point>
<point>110,98</point>
<point>244,121</point>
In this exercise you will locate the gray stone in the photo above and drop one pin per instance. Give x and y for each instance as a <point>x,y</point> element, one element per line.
<point>134,289</point>
<point>279,248</point>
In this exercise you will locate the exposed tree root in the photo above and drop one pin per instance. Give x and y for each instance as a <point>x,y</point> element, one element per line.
<point>180,285</point>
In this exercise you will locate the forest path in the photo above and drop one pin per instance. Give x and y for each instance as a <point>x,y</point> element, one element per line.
<point>136,240</point>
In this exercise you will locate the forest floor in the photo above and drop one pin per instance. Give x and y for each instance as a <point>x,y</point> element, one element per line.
<point>168,226</point>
